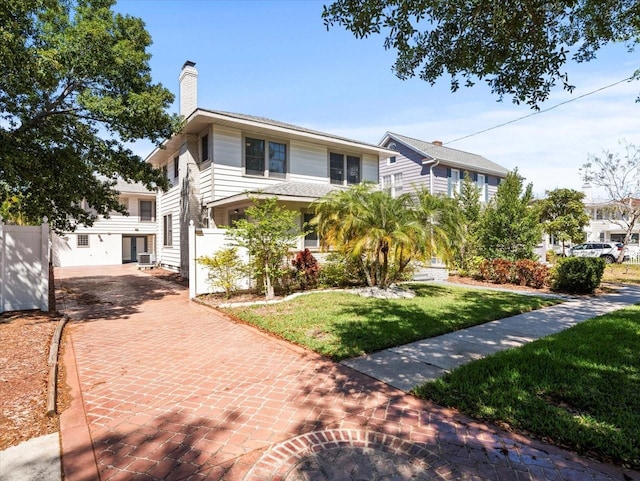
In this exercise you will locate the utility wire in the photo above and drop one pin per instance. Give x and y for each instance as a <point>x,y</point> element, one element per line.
<point>628,79</point>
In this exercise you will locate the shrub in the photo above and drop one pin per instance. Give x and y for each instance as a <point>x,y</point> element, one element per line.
<point>336,271</point>
<point>580,275</point>
<point>500,271</point>
<point>531,273</point>
<point>306,269</point>
<point>226,269</point>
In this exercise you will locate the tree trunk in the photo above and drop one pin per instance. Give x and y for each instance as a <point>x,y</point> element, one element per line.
<point>267,280</point>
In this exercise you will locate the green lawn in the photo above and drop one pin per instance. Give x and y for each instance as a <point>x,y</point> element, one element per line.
<point>341,325</point>
<point>579,388</point>
<point>623,273</point>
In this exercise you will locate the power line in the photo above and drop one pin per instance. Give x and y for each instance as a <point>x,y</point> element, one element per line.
<point>540,111</point>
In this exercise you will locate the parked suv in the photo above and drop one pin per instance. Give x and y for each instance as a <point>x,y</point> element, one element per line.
<point>609,251</point>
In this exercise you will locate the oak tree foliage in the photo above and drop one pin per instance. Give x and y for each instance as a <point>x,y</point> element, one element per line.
<point>518,47</point>
<point>75,90</point>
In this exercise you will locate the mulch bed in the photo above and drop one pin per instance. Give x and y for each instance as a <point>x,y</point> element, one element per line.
<point>25,338</point>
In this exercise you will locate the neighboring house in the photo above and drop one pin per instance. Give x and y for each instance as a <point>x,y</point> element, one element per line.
<point>221,159</point>
<point>431,165</point>
<point>116,240</point>
<point>604,228</point>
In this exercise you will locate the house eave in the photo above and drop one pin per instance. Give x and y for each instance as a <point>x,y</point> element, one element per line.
<point>201,118</point>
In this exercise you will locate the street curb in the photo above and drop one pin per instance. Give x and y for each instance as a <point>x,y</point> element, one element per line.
<point>53,366</point>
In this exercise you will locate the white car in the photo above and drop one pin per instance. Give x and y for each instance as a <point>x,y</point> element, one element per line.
<point>609,251</point>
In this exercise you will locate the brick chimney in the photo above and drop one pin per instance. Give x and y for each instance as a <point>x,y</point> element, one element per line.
<point>437,142</point>
<point>188,88</point>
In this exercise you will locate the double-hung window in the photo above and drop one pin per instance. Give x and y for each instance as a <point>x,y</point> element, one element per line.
<point>339,164</point>
<point>147,211</point>
<point>454,182</point>
<point>392,184</point>
<point>167,230</point>
<point>265,158</point>
<point>482,185</point>
<point>176,167</point>
<point>311,237</point>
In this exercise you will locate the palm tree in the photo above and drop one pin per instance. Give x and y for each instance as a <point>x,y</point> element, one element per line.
<point>382,233</point>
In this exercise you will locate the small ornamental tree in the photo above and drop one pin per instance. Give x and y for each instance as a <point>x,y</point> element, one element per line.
<point>226,269</point>
<point>465,250</point>
<point>268,233</point>
<point>563,216</point>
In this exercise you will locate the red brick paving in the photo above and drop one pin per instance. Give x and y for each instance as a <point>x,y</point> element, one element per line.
<point>170,389</point>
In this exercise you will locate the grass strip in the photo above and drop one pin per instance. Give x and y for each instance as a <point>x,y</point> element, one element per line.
<point>579,388</point>
<point>341,325</point>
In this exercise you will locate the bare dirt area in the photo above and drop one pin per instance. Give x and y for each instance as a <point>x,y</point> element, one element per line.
<point>168,275</point>
<point>25,338</point>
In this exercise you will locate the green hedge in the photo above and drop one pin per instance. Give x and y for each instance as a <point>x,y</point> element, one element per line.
<point>579,275</point>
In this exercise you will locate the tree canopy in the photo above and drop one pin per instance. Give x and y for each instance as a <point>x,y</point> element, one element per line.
<point>75,90</point>
<point>518,47</point>
<point>563,215</point>
<point>510,225</point>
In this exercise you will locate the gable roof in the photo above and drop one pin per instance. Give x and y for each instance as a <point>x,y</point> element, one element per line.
<point>447,155</point>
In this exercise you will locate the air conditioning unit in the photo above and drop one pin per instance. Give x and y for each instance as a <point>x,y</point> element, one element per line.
<point>146,259</point>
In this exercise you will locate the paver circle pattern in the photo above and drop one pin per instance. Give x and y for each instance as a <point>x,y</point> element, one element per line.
<point>349,455</point>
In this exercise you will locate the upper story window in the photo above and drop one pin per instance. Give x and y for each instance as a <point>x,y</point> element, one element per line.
<point>453,181</point>
<point>265,158</point>
<point>176,167</point>
<point>165,170</point>
<point>204,148</point>
<point>392,160</point>
<point>147,210</point>
<point>339,164</point>
<point>482,186</point>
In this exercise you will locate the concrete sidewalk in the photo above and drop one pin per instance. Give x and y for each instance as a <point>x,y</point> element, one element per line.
<point>405,367</point>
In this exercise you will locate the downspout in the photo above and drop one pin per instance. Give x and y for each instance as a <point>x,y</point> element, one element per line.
<point>434,163</point>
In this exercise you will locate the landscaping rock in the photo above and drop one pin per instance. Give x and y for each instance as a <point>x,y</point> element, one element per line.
<point>392,292</point>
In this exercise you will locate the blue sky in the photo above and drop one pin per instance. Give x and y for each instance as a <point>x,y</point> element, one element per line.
<point>276,59</point>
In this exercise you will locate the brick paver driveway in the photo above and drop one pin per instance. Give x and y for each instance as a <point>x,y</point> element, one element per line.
<point>167,389</point>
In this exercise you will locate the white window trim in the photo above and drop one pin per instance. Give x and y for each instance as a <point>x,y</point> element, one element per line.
<point>153,210</point>
<point>167,230</point>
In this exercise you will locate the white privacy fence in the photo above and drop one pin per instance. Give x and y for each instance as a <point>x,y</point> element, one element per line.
<point>24,267</point>
<point>206,242</point>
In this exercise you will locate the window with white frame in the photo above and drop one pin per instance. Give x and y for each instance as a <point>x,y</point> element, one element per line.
<point>147,210</point>
<point>167,230</point>
<point>176,167</point>
<point>454,180</point>
<point>482,186</point>
<point>265,157</point>
<point>339,164</point>
<point>82,240</point>
<point>392,184</point>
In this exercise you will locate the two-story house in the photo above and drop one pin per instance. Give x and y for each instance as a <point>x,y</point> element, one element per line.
<point>220,160</point>
<point>116,240</point>
<point>418,164</point>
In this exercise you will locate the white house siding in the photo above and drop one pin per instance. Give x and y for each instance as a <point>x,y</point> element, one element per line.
<point>227,146</point>
<point>169,203</point>
<point>308,159</point>
<point>206,184</point>
<point>107,237</point>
